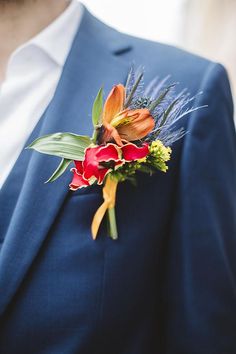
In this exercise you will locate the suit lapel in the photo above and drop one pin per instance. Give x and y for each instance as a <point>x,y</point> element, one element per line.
<point>90,64</point>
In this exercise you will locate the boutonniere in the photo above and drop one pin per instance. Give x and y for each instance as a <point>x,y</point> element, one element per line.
<point>134,130</point>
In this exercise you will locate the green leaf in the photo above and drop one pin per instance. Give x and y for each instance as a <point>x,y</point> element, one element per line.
<point>60,170</point>
<point>66,145</point>
<point>97,108</point>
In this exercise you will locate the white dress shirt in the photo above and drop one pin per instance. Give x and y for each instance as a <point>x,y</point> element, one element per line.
<point>33,72</point>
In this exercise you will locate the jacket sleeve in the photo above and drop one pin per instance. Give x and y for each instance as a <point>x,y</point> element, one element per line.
<point>200,280</point>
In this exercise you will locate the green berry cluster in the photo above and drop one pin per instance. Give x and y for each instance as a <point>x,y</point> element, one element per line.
<point>159,155</point>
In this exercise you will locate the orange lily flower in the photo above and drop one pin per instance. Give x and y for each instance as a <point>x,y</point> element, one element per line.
<point>124,124</point>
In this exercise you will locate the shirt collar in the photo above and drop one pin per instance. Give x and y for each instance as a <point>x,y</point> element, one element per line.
<point>57,38</point>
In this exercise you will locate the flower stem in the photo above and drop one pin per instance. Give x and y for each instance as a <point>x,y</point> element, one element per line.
<point>112,223</point>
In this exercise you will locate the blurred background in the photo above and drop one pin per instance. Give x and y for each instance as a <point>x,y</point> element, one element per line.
<point>205,27</point>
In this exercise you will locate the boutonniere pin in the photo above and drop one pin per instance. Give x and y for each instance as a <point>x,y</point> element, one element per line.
<point>133,131</point>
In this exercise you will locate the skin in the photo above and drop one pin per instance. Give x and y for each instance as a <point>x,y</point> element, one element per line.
<point>21,20</point>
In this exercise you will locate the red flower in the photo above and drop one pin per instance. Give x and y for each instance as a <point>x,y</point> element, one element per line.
<point>100,160</point>
<point>120,123</point>
<point>78,180</point>
<point>132,152</point>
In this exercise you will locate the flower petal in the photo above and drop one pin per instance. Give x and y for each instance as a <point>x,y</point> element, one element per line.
<point>79,167</point>
<point>102,174</point>
<point>138,124</point>
<point>110,133</point>
<point>78,180</point>
<point>95,156</point>
<point>108,152</point>
<point>114,103</point>
<point>133,152</point>
<point>90,163</point>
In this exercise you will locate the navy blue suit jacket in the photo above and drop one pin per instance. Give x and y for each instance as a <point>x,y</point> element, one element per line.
<point>168,284</point>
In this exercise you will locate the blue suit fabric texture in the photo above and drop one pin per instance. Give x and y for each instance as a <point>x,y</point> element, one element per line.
<point>168,284</point>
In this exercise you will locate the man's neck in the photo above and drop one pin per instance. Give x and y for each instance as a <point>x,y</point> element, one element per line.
<point>21,20</point>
